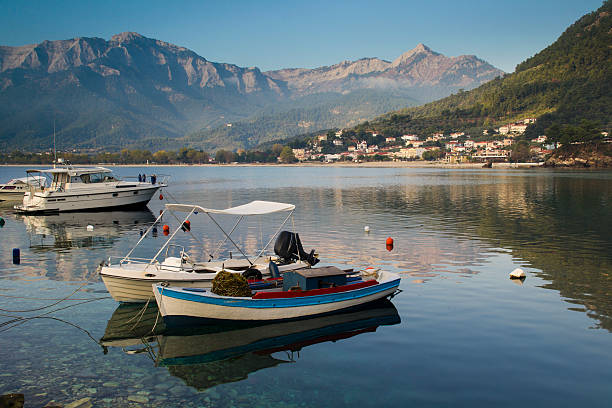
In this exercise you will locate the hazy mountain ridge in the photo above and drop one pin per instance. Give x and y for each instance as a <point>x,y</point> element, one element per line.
<point>133,91</point>
<point>419,67</point>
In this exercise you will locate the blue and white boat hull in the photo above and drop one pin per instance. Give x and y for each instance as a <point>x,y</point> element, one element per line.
<point>199,303</point>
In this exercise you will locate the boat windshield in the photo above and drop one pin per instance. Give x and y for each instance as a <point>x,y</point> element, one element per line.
<point>97,178</point>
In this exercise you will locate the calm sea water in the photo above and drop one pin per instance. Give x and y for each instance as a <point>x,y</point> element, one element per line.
<point>460,334</point>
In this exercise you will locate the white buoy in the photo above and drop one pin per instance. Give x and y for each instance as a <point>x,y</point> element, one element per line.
<point>366,228</point>
<point>90,227</point>
<point>518,273</point>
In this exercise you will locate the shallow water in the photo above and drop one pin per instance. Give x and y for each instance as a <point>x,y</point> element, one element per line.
<point>461,333</point>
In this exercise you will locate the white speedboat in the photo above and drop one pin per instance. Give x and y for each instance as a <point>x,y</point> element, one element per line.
<point>130,279</point>
<point>86,188</point>
<point>15,189</point>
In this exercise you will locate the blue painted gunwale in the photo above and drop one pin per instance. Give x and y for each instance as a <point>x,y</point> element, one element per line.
<point>274,303</point>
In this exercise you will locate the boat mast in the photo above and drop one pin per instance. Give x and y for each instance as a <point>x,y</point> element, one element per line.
<point>54,150</point>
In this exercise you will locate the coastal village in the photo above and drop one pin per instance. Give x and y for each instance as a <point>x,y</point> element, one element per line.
<point>454,147</point>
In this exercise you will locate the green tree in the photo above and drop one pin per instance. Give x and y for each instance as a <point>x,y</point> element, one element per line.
<point>520,152</point>
<point>287,155</point>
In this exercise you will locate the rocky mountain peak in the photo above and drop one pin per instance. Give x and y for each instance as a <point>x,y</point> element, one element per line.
<point>409,56</point>
<point>126,36</point>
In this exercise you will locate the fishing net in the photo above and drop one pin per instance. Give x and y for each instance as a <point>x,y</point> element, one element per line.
<point>230,284</point>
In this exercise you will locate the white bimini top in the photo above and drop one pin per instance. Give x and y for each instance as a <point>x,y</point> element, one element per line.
<point>252,208</point>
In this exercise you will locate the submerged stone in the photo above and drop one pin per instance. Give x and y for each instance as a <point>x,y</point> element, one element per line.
<point>82,403</point>
<point>138,398</point>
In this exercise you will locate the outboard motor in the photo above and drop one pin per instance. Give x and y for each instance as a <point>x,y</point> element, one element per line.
<point>289,248</point>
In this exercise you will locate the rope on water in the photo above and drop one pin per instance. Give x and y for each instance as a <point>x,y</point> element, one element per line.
<point>37,298</point>
<point>20,320</point>
<point>161,298</point>
<point>140,314</point>
<point>47,306</point>
<point>59,320</point>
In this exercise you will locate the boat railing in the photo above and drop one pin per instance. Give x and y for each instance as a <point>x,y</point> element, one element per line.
<point>160,178</point>
<point>121,260</point>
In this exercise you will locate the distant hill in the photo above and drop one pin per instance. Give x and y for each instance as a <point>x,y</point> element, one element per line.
<point>567,82</point>
<point>133,91</point>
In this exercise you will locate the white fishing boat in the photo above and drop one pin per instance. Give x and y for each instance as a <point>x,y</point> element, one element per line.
<point>86,188</point>
<point>305,293</point>
<point>129,279</point>
<point>15,189</point>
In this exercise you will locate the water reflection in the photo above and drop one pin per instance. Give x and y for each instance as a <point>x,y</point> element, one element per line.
<point>70,230</point>
<point>205,356</point>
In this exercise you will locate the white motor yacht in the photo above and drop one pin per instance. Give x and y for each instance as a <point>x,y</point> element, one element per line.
<point>15,189</point>
<point>86,188</point>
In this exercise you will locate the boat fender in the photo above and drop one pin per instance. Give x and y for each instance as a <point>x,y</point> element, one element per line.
<point>16,256</point>
<point>274,272</point>
<point>252,274</point>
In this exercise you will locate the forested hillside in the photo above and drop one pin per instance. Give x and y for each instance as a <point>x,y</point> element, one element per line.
<point>567,82</point>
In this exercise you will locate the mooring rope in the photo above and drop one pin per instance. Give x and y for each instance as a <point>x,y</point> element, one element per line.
<point>47,306</point>
<point>20,320</point>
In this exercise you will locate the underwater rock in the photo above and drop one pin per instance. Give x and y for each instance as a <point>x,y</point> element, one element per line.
<point>110,384</point>
<point>138,398</point>
<point>82,403</point>
<point>12,400</point>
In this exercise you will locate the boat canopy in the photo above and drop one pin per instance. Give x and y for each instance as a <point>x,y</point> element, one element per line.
<point>72,171</point>
<point>33,180</point>
<point>252,208</point>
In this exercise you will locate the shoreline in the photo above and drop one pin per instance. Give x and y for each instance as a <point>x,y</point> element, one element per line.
<point>412,164</point>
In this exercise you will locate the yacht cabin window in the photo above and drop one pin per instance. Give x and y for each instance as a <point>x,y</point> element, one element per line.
<point>97,177</point>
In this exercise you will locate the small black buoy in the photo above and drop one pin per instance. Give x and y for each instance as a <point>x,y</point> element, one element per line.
<point>1,222</point>
<point>16,256</point>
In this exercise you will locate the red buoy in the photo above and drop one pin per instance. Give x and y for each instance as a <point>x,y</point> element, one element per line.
<point>166,232</point>
<point>166,228</point>
<point>186,225</point>
<point>161,196</point>
<point>389,247</point>
<point>389,241</point>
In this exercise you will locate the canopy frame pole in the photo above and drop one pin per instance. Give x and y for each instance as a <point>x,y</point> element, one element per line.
<point>181,224</point>
<point>171,237</point>
<point>275,234</point>
<point>225,240</point>
<point>293,227</point>
<point>143,236</point>
<point>230,239</point>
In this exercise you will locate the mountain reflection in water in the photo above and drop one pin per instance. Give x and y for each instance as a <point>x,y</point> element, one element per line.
<point>205,356</point>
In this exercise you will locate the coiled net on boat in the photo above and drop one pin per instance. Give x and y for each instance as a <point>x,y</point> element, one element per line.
<point>230,284</point>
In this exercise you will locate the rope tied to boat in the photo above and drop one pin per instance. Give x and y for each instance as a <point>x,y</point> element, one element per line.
<point>47,306</point>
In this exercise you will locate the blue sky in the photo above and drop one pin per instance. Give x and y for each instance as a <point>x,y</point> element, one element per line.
<point>281,34</point>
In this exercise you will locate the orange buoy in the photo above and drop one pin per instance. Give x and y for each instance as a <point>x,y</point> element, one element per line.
<point>389,241</point>
<point>166,232</point>
<point>166,228</point>
<point>161,196</point>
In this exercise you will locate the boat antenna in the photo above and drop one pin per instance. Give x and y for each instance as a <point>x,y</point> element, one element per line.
<point>54,150</point>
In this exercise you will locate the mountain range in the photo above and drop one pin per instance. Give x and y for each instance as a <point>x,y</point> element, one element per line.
<point>132,91</point>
